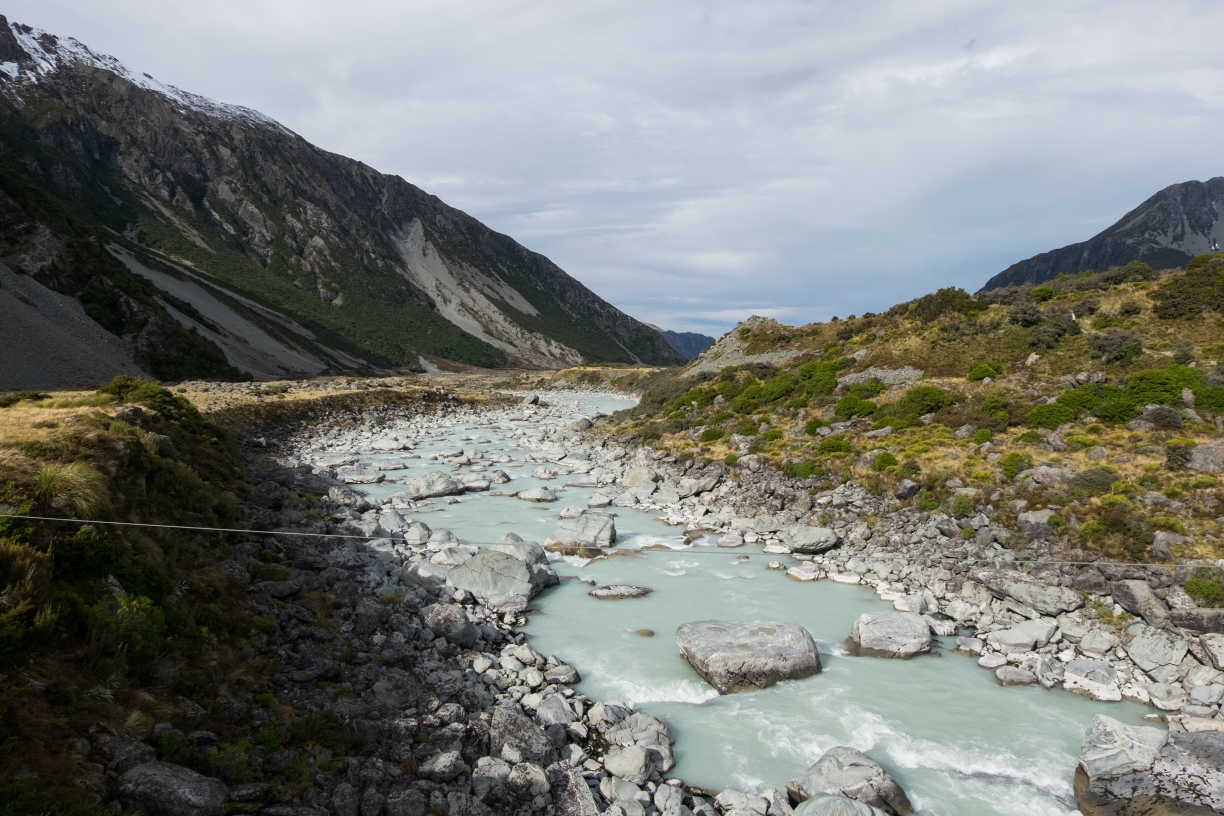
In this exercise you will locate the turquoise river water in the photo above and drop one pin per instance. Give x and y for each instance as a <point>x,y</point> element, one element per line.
<point>958,743</point>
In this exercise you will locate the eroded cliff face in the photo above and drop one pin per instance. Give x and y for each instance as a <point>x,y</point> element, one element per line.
<point>372,267</point>
<point>1170,228</point>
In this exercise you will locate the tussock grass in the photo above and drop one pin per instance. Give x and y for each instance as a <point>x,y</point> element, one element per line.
<point>72,486</point>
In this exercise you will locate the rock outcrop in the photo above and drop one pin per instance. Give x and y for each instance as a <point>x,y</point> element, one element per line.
<point>737,656</point>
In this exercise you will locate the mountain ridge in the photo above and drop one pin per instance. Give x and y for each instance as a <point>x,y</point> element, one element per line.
<point>372,267</point>
<point>1165,231</point>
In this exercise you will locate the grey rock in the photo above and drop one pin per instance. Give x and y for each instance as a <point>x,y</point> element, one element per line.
<point>527,781</point>
<point>443,767</point>
<point>372,802</point>
<point>1198,620</point>
<point>527,551</point>
<point>538,495</point>
<point>889,634</point>
<point>1035,524</point>
<point>1092,678</point>
<point>631,763</point>
<point>1138,598</point>
<point>831,804</point>
<point>571,796</point>
<point>1115,764</point>
<point>907,489</point>
<point>1048,600</point>
<point>345,800</point>
<point>1213,645</point>
<point>425,573</point>
<point>587,530</point>
<point>500,580</point>
<point>405,803</point>
<point>639,476</point>
<point>1208,457</point>
<point>853,774</point>
<point>1014,676</point>
<point>451,622</point>
<point>515,739</point>
<point>434,484</point>
<point>810,540</point>
<point>1151,648</point>
<point>163,789</point>
<point>1190,770</point>
<point>739,655</point>
<point>616,592</point>
<point>553,710</point>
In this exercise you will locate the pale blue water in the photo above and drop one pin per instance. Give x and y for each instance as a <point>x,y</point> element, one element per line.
<point>956,742</point>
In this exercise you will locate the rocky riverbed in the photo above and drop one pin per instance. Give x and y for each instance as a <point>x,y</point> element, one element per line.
<point>458,712</point>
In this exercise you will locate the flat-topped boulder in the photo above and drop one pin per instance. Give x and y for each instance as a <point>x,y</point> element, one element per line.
<point>500,580</point>
<point>617,592</point>
<point>845,771</point>
<point>737,656</point>
<point>433,484</point>
<point>1043,598</point>
<point>1132,769</point>
<point>810,540</point>
<point>164,789</point>
<point>889,634</point>
<point>538,494</point>
<point>587,530</point>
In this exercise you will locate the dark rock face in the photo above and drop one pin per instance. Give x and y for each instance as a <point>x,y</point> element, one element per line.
<point>163,789</point>
<point>688,344</point>
<point>1165,231</point>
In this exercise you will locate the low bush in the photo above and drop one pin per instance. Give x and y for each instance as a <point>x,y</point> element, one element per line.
<point>982,435</point>
<point>883,461</point>
<point>851,406</point>
<point>1014,463</point>
<point>1041,294</point>
<point>802,470</point>
<point>925,500</point>
<point>1051,415</point>
<point>1093,480</point>
<point>834,444</point>
<point>1206,587</point>
<point>813,425</point>
<point>711,435</point>
<point>1115,345</point>
<point>982,370</point>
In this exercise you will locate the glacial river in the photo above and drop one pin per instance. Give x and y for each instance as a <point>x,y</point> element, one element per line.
<point>959,744</point>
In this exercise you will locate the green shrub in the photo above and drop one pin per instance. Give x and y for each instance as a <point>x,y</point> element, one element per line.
<point>926,399</point>
<point>968,534</point>
<point>851,406</point>
<point>1041,294</point>
<point>883,461</point>
<point>802,470</point>
<point>1115,345</point>
<point>1162,386</point>
<point>982,370</point>
<point>269,739</point>
<point>982,435</point>
<point>129,625</point>
<point>327,731</point>
<point>1206,587</point>
<point>772,435</point>
<point>731,459</point>
<point>962,506</point>
<point>1094,480</point>
<point>995,406</point>
<point>711,434</point>
<point>813,425</point>
<point>13,397</point>
<point>266,624</point>
<point>1130,308</point>
<point>1014,463</point>
<point>867,389</point>
<point>949,300</point>
<point>1051,415</point>
<point>748,428</point>
<point>1177,456</point>
<point>1030,438</point>
<point>925,501</point>
<point>834,444</point>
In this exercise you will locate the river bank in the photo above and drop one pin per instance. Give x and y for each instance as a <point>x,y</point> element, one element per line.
<point>393,587</point>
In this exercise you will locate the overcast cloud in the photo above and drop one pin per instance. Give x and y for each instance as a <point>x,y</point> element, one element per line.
<point>698,162</point>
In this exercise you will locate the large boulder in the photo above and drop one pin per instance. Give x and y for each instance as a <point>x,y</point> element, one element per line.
<point>588,530</point>
<point>163,789</point>
<point>514,738</point>
<point>810,540</point>
<point>1198,620</point>
<point>1152,648</point>
<point>1092,678</point>
<point>1138,598</point>
<point>538,495</point>
<point>851,773</point>
<point>1128,769</point>
<point>634,477</point>
<point>425,573</point>
<point>889,634</point>
<point>740,655</point>
<point>1208,457</point>
<point>433,484</point>
<point>832,804</point>
<point>451,622</point>
<point>1035,524</point>
<point>570,793</point>
<point>500,580</point>
<point>1042,598</point>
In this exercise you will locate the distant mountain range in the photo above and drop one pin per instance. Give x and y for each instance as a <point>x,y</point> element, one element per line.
<point>688,344</point>
<point>213,241</point>
<point>1167,230</point>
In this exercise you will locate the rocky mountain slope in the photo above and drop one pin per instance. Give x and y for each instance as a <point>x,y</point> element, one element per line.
<point>106,173</point>
<point>689,344</point>
<point>1167,230</point>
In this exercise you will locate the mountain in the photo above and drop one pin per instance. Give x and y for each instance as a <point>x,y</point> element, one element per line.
<point>216,242</point>
<point>1167,230</point>
<point>688,344</point>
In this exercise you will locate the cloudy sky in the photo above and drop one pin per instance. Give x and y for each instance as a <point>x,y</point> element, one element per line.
<point>698,162</point>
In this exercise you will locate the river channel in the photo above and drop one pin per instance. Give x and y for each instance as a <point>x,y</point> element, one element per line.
<point>958,743</point>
